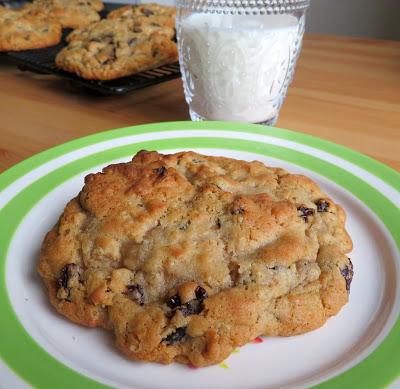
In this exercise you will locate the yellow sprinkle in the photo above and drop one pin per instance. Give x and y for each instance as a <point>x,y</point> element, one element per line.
<point>235,351</point>
<point>224,365</point>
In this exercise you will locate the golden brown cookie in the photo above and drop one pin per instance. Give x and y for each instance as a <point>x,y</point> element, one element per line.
<point>161,14</point>
<point>147,17</point>
<point>25,28</point>
<point>71,13</point>
<point>110,49</point>
<point>140,24</point>
<point>185,256</point>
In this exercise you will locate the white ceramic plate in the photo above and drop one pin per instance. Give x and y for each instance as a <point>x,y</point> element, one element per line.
<point>357,348</point>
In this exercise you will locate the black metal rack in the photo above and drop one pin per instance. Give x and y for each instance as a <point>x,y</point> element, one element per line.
<point>43,61</point>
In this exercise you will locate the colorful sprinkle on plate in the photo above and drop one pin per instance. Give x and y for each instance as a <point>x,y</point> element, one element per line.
<point>258,340</point>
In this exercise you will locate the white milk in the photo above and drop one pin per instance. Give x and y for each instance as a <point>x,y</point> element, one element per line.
<point>237,67</point>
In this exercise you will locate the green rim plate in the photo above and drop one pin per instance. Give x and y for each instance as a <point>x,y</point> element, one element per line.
<point>33,364</point>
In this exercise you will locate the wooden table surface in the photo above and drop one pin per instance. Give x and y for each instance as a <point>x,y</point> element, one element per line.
<point>346,90</point>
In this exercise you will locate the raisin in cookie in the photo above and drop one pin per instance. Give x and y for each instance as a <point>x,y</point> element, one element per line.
<point>25,28</point>
<point>71,13</point>
<point>109,49</point>
<point>185,257</point>
<point>162,14</point>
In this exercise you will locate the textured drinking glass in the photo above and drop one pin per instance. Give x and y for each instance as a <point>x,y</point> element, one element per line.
<point>238,57</point>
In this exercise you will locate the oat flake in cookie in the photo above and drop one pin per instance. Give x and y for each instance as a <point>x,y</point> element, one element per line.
<point>185,257</point>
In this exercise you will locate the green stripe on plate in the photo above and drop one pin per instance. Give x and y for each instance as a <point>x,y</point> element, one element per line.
<point>40,369</point>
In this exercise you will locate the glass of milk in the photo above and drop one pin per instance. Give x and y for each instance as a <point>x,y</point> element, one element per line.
<point>237,57</point>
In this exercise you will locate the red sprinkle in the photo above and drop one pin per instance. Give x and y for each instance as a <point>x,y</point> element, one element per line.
<point>191,366</point>
<point>258,340</point>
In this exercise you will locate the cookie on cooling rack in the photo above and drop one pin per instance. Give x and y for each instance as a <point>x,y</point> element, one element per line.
<point>71,13</point>
<point>147,17</point>
<point>25,28</point>
<point>162,14</point>
<point>108,49</point>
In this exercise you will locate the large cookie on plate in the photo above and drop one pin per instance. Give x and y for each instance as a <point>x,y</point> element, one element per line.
<point>186,256</point>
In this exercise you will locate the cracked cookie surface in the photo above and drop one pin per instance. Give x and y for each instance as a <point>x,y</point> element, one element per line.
<point>185,256</point>
<point>110,49</point>
<point>26,28</point>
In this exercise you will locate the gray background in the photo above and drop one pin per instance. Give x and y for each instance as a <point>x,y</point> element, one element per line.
<point>378,19</point>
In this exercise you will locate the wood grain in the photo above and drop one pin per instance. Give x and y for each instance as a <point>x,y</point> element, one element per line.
<point>345,90</point>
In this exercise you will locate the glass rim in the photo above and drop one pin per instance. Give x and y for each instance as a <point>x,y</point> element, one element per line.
<point>246,6</point>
